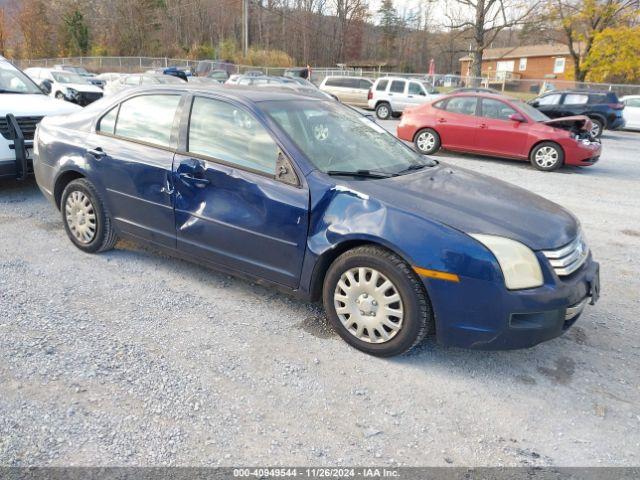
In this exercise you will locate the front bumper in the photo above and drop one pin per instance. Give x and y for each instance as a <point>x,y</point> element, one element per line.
<point>483,315</point>
<point>578,153</point>
<point>20,164</point>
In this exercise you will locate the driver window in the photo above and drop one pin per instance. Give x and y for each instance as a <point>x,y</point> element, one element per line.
<point>230,134</point>
<point>496,109</point>
<point>416,89</point>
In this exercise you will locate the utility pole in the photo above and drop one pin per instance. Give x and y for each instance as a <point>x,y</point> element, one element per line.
<point>245,27</point>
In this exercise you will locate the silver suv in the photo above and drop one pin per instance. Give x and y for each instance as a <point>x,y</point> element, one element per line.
<point>389,96</point>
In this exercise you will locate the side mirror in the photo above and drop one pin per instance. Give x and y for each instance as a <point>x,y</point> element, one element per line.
<point>534,103</point>
<point>45,86</point>
<point>516,117</point>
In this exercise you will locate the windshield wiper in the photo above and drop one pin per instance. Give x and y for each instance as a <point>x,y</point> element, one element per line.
<point>416,166</point>
<point>362,173</point>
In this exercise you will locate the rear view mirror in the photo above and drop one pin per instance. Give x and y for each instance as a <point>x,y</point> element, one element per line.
<point>516,117</point>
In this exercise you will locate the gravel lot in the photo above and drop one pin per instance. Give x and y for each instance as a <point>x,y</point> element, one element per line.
<point>135,358</point>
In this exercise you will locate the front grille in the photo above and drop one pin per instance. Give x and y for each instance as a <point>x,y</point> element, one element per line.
<point>89,97</point>
<point>568,259</point>
<point>27,125</point>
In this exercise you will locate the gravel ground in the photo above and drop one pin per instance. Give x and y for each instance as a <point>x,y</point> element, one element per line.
<point>135,358</point>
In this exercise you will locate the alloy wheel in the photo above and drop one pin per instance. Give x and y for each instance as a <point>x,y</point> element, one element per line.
<point>383,112</point>
<point>369,305</point>
<point>547,157</point>
<point>426,141</point>
<point>81,217</point>
<point>595,129</point>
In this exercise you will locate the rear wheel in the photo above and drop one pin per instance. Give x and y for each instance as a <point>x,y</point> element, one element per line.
<point>376,302</point>
<point>427,141</point>
<point>547,156</point>
<point>383,111</point>
<point>85,218</point>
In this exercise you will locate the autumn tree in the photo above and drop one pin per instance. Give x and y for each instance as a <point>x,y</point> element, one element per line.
<point>347,12</point>
<point>582,21</point>
<point>483,20</point>
<point>389,23</point>
<point>614,56</point>
<point>3,33</point>
<point>36,29</point>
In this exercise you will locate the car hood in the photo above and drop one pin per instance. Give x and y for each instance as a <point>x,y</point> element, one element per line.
<point>82,87</point>
<point>475,203</point>
<point>581,122</point>
<point>34,105</point>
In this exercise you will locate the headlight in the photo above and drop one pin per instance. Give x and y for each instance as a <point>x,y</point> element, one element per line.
<point>73,93</point>
<point>519,264</point>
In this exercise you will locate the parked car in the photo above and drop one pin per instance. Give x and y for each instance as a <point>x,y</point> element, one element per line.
<point>233,79</point>
<point>603,108</point>
<point>475,90</point>
<point>205,67</point>
<point>389,96</point>
<point>495,125</point>
<point>138,79</point>
<point>65,85</point>
<point>350,90</point>
<point>92,78</point>
<point>22,106</point>
<point>253,73</point>
<point>631,112</point>
<point>313,197</point>
<point>297,72</point>
<point>219,75</point>
<point>109,76</point>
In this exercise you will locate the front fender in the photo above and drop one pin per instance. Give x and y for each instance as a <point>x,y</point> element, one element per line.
<point>341,215</point>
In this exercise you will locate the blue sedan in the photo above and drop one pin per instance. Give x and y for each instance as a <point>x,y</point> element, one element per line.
<point>310,196</point>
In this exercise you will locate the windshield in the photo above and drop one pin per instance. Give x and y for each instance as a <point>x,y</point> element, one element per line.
<point>79,70</point>
<point>68,77</point>
<point>336,138</point>
<point>13,80</point>
<point>535,114</point>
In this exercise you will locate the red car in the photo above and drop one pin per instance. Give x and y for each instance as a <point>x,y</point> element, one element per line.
<point>494,125</point>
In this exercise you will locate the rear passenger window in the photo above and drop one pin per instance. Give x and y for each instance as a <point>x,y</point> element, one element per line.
<point>108,122</point>
<point>397,86</point>
<point>382,85</point>
<point>227,133</point>
<point>549,99</point>
<point>148,118</point>
<point>365,84</point>
<point>416,89</point>
<point>462,105</point>
<point>576,99</point>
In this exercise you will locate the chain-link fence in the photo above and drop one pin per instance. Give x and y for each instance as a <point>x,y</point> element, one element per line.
<point>502,81</point>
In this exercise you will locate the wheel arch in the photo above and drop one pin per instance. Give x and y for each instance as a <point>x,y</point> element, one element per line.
<point>62,181</point>
<point>564,154</point>
<point>326,258</point>
<point>415,135</point>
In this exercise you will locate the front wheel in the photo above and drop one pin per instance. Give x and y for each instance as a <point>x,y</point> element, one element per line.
<point>427,141</point>
<point>596,128</point>
<point>547,156</point>
<point>376,302</point>
<point>85,218</point>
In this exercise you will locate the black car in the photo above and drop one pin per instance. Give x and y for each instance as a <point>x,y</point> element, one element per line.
<point>603,108</point>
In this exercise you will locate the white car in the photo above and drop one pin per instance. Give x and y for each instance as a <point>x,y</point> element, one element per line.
<point>631,112</point>
<point>389,96</point>
<point>22,106</point>
<point>138,79</point>
<point>109,76</point>
<point>65,85</point>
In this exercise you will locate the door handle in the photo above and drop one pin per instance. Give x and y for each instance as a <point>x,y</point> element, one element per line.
<point>97,153</point>
<point>442,120</point>
<point>197,181</point>
<point>483,125</point>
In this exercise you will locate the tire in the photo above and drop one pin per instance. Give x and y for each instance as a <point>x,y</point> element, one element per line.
<point>383,111</point>
<point>596,128</point>
<point>427,141</point>
<point>85,217</point>
<point>547,156</point>
<point>350,317</point>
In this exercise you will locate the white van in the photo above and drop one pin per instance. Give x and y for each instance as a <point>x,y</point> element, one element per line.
<point>22,106</point>
<point>389,96</point>
<point>65,85</point>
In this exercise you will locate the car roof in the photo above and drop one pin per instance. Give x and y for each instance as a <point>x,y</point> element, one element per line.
<point>237,92</point>
<point>594,92</point>
<point>498,96</point>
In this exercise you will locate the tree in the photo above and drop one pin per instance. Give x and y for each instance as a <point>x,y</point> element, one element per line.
<point>485,19</point>
<point>3,33</point>
<point>614,56</point>
<point>76,33</point>
<point>347,12</point>
<point>582,21</point>
<point>36,29</point>
<point>389,22</point>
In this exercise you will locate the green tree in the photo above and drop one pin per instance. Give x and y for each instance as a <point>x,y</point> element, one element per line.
<point>76,33</point>
<point>614,56</point>
<point>389,23</point>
